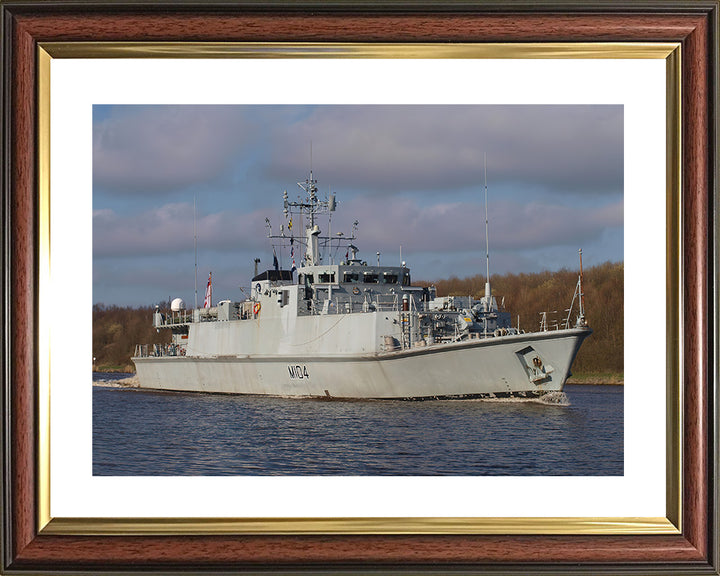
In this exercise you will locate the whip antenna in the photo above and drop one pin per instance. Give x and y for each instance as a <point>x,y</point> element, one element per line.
<point>195,241</point>
<point>487,243</point>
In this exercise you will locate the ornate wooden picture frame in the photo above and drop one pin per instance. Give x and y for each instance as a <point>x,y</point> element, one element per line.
<point>33,31</point>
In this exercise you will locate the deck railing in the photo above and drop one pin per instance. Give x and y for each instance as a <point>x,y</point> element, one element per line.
<point>158,350</point>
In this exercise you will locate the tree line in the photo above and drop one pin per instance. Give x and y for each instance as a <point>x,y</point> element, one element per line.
<point>116,330</point>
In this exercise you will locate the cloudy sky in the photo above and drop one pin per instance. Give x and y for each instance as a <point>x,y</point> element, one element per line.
<point>411,175</point>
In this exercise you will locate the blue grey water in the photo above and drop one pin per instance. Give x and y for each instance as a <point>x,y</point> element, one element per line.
<point>140,432</point>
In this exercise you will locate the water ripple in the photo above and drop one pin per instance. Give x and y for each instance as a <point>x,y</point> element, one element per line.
<point>138,432</point>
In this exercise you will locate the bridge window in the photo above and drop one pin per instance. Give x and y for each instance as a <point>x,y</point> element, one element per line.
<point>326,277</point>
<point>370,278</point>
<point>351,277</point>
<point>390,278</point>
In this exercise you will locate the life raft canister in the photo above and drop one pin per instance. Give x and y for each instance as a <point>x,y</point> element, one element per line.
<point>256,308</point>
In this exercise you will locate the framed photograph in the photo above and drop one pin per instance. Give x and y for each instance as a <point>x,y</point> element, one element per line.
<point>71,70</point>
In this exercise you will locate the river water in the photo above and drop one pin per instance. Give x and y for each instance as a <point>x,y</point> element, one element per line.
<point>137,432</point>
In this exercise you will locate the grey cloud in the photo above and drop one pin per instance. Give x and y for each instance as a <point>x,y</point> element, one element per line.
<point>169,230</point>
<point>457,226</point>
<point>556,148</point>
<point>157,149</point>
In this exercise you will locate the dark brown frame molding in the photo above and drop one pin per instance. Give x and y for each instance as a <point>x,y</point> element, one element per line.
<point>26,24</point>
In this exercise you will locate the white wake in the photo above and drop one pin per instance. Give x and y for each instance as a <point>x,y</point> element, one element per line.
<point>550,398</point>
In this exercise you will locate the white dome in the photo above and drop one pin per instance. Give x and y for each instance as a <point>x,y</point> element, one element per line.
<point>177,305</point>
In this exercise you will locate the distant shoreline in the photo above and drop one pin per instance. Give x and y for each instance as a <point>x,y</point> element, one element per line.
<point>611,379</point>
<point>112,370</point>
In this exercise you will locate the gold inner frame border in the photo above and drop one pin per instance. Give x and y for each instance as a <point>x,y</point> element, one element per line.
<point>671,524</point>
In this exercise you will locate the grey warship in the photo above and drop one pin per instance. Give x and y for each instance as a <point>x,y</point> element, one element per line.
<point>353,330</point>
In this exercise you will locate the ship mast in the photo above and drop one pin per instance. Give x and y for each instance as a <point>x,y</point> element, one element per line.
<point>579,294</point>
<point>310,206</point>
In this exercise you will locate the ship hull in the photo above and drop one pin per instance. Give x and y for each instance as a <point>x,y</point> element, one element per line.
<point>523,365</point>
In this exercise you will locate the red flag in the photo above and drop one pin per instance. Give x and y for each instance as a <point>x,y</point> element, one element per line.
<point>208,293</point>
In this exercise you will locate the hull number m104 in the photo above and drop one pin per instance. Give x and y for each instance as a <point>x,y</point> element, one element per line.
<point>298,372</point>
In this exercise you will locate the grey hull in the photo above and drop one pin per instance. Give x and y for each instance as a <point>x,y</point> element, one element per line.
<point>517,365</point>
